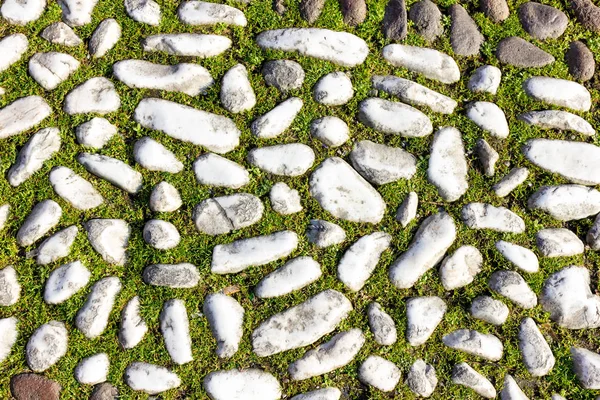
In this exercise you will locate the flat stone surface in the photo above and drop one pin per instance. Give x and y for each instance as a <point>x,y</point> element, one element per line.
<point>511,181</point>
<point>293,275</point>
<point>340,48</point>
<point>96,95</point>
<point>285,200</point>
<point>278,120</point>
<point>329,393</point>
<point>51,69</point>
<point>46,346</point>
<point>175,276</point>
<point>237,94</point>
<point>65,281</point>
<point>333,89</point>
<point>414,93</point>
<point>557,119</point>
<point>485,79</point>
<point>214,170</point>
<point>150,378</point>
<point>74,189</point>
<point>518,52</point>
<point>161,235</point>
<point>381,164</point>
<point>382,325</point>
<point>22,12</point>
<point>256,251</point>
<point>77,12</point>
<point>143,11</point>
<point>447,169</point>
<point>427,18</point>
<point>292,159</point>
<point>558,242</point>
<point>226,318</point>
<point>512,286</point>
<point>242,384</point>
<point>489,117</point>
<point>95,133</point>
<point>463,374</point>
<point>581,62</point>
<point>22,114</point>
<point>536,353</point>
<point>44,216</point>
<point>487,216</point>
<point>180,122</point>
<point>421,378</point>
<point>428,62</point>
<point>361,259</point>
<point>302,324</point>
<point>205,13</point>
<point>395,20</point>
<point>394,118</point>
<point>132,327</point>
<point>558,92</point>
<point>62,34</point>
<point>165,198</point>
<point>285,75</point>
<point>431,241</point>
<point>488,157</point>
<point>511,390</point>
<point>112,170</point>
<point>33,386</point>
<point>92,317</point>
<point>521,257</point>
<point>220,215</point>
<point>329,356</point>
<point>191,79</point>
<point>92,370</point>
<point>423,315</point>
<point>324,233</point>
<point>586,364</point>
<point>187,44</point>
<point>41,147</point>
<point>104,38</point>
<point>465,37</point>
<point>379,373</point>
<point>566,202</point>
<point>407,210</point>
<point>56,246</point>
<point>110,238</point>
<point>175,328</point>
<point>489,310</point>
<point>9,331</point>
<point>10,289</point>
<point>541,21</point>
<point>472,342</point>
<point>12,48</point>
<point>460,268</point>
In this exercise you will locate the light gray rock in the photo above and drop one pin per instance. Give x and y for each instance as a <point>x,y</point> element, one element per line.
<point>220,215</point>
<point>541,21</point>
<point>431,241</point>
<point>489,117</point>
<point>430,63</point>
<point>447,169</point>
<point>150,378</point>
<point>132,328</point>
<point>485,79</point>
<point>109,237</point>
<point>143,11</point>
<point>329,393</point>
<point>276,121</point>
<point>65,281</point>
<point>4,214</point>
<point>10,289</point>
<point>12,48</point>
<point>487,216</point>
<point>423,315</point>
<point>61,34</point>
<point>379,373</point>
<point>105,37</point>
<point>92,317</point>
<point>285,75</point>
<point>557,119</point>
<point>8,336</point>
<point>22,12</point>
<point>427,18</point>
<point>479,344</point>
<point>226,318</point>
<point>460,268</point>
<point>340,48</point>
<point>22,114</point>
<point>592,237</point>
<point>558,242</point>
<point>293,275</point>
<point>521,257</point>
<point>205,13</point>
<point>214,170</point>
<point>421,379</point>
<point>237,94</point>
<point>382,325</point>
<point>74,189</point>
<point>161,235</point>
<point>510,181</point>
<point>43,217</point>
<point>586,365</point>
<point>489,310</point>
<point>488,157</point>
<point>165,198</point>
<point>464,375</point>
<point>407,211</point>
<point>153,156</point>
<point>333,89</point>
<point>381,164</point>
<point>92,370</point>
<point>465,37</point>
<point>566,202</point>
<point>112,170</point>
<point>520,53</point>
<point>52,68</point>
<point>558,92</point>
<point>175,328</point>
<point>95,133</point>
<point>576,161</point>
<point>394,118</point>
<point>77,12</point>
<point>301,325</point>
<point>96,95</point>
<point>511,390</point>
<point>512,286</point>
<point>46,346</point>
<point>191,79</point>
<point>187,44</point>
<point>329,356</point>
<point>292,159</point>
<point>181,122</point>
<point>566,295</point>
<point>40,148</point>
<point>242,384</point>
<point>56,246</point>
<point>234,257</point>
<point>414,93</point>
<point>284,200</point>
<point>175,276</point>
<point>536,353</point>
<point>360,260</point>
<point>324,233</point>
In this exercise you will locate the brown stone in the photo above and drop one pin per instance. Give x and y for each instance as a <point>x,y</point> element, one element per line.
<point>104,391</point>
<point>354,11</point>
<point>34,387</point>
<point>496,10</point>
<point>587,14</point>
<point>311,9</point>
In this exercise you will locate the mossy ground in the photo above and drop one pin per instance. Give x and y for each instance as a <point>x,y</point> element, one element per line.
<point>196,248</point>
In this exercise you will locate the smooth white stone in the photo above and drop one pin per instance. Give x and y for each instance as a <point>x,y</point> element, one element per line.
<point>143,11</point>
<point>359,261</point>
<point>95,133</point>
<point>43,217</point>
<point>422,379</point>
<point>379,373</point>
<point>8,336</point>
<point>64,282</point>
<point>132,328</point>
<point>205,13</point>
<point>487,216</point>
<point>329,393</point>
<point>109,237</point>
<point>521,257</point>
<point>414,93</point>
<point>165,198</point>
<point>237,94</point>
<point>558,242</point>
<point>226,319</point>
<point>276,121</point>
<point>558,92</point>
<point>394,118</point>
<point>566,202</point>
<point>220,215</point>
<point>56,246</point>
<point>175,328</point>
<point>489,117</point>
<point>333,89</point>
<point>10,289</point>
<point>175,276</point>
<point>153,156</point>
<point>256,251</point>
<point>105,37</point>
<point>407,211</point>
<point>381,164</point>
<point>382,325</point>
<point>463,374</point>
<point>293,275</point>
<point>345,194</point>
<point>74,189</point>
<point>292,159</point>
<point>340,48</point>
<point>214,170</point>
<point>512,286</point>
<point>40,148</point>
<point>92,317</point>
<point>181,122</point>
<point>485,79</point>
<point>284,200</point>
<point>332,131</point>
<point>423,315</point>
<point>51,69</point>
<point>430,63</point>
<point>242,384</point>
<point>46,346</point>
<point>112,170</point>
<point>22,12</point>
<point>324,233</point>
<point>489,310</point>
<point>329,356</point>
<point>556,119</point>
<point>4,214</point>
<point>475,343</point>
<point>150,378</point>
<point>12,48</point>
<point>92,370</point>
<point>301,325</point>
<point>161,235</point>
<point>96,95</point>
<point>511,181</point>
<point>62,34</point>
<point>536,353</point>
<point>433,238</point>
<point>586,365</point>
<point>77,12</point>
<point>187,44</point>
<point>460,268</point>
<point>22,114</point>
<point>448,169</point>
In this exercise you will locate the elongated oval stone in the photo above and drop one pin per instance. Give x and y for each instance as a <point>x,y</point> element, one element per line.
<point>74,189</point>
<point>428,62</point>
<point>394,117</point>
<point>12,48</point>
<point>46,346</point>
<point>245,384</point>
<point>187,44</point>
<point>40,148</point>
<point>43,217</point>
<point>92,317</point>
<point>22,114</point>
<point>65,281</point>
<point>414,93</point>
<point>175,328</point>
<point>294,275</point>
<point>557,119</point>
<point>150,378</point>
<point>566,202</point>
<point>205,13</point>
<point>56,246</point>
<point>559,92</point>
<point>226,318</point>
<point>114,171</point>
<point>359,261</point>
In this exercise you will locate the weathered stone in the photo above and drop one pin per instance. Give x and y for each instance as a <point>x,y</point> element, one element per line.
<point>8,336</point>
<point>381,164</point>
<point>354,11</point>
<point>22,114</point>
<point>566,202</point>
<point>464,33</point>
<point>382,325</point>
<point>421,379</point>
<point>132,328</point>
<point>61,34</point>
<point>165,198</point>
<point>488,157</point>
<point>285,75</point>
<point>175,276</point>
<point>40,148</point>
<point>537,355</point>
<point>581,61</point>
<point>12,48</point>
<point>10,290</point>
<point>428,62</point>
<point>175,328</point>
<point>161,235</point>
<point>586,365</point>
<point>512,286</point>
<point>92,317</point>
<point>104,38</point>
<point>324,233</point>
<point>294,275</point>
<point>423,315</point>
<point>489,117</point>
<point>52,68</point>
<point>205,13</point>
<point>518,52</point>
<point>487,216</point>
<point>46,346</point>
<point>479,344</point>
<point>226,318</point>
<point>74,189</point>
<point>242,384</point>
<point>379,373</point>
<point>496,10</point>
<point>112,170</point>
<point>486,78</point>
<point>511,390</point>
<point>558,92</point>
<point>187,44</point>
<point>77,12</point>
<point>407,211</point>
<point>460,268</point>
<point>109,237</point>
<point>143,11</point>
<point>333,89</point>
<point>558,242</point>
<point>593,235</point>
<point>329,393</point>
<point>310,10</point>
<point>214,170</point>
<point>43,217</point>
<point>560,120</point>
<point>427,18</point>
<point>522,257</point>
<point>276,121</point>
<point>511,181</point>
<point>414,93</point>
<point>22,12</point>
<point>92,370</point>
<point>220,215</point>
<point>284,200</point>
<point>587,13</point>
<point>96,95</point>
<point>33,386</point>
<point>448,168</point>
<point>237,94</point>
<point>150,378</point>
<point>65,281</point>
<point>464,375</point>
<point>95,133</point>
<point>541,21</point>
<point>394,118</point>
<point>359,261</point>
<point>489,310</point>
<point>104,391</point>
<point>395,21</point>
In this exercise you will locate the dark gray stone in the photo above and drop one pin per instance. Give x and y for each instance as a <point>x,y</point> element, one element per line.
<point>488,157</point>
<point>427,18</point>
<point>518,52</point>
<point>581,61</point>
<point>104,391</point>
<point>354,11</point>
<point>542,21</point>
<point>395,20</point>
<point>464,33</point>
<point>285,75</point>
<point>587,14</point>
